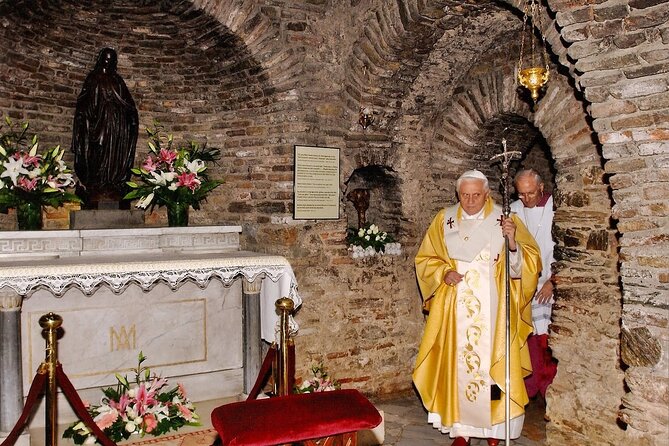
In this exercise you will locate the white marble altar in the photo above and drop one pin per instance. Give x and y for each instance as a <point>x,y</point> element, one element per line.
<point>121,291</point>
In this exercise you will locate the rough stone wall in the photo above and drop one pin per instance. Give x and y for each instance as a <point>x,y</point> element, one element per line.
<point>257,77</point>
<point>620,49</point>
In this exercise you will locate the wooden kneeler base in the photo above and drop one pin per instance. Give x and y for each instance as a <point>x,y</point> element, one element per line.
<point>347,439</point>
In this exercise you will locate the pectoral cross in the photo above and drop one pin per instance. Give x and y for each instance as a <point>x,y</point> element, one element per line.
<point>450,222</point>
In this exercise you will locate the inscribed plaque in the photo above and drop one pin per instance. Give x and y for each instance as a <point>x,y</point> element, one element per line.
<point>316,183</point>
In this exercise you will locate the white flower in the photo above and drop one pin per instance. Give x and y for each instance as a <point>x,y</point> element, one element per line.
<point>142,204</point>
<point>361,232</point>
<point>81,427</point>
<point>195,166</point>
<point>162,178</point>
<point>374,229</point>
<point>13,168</point>
<point>130,427</point>
<point>367,237</point>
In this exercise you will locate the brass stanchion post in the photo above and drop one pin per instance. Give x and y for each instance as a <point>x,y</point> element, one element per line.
<point>51,322</point>
<point>286,307</point>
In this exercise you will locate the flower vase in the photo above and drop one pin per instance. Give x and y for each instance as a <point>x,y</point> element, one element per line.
<point>177,214</point>
<point>29,216</point>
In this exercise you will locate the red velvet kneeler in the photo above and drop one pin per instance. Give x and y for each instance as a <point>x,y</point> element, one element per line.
<point>293,418</point>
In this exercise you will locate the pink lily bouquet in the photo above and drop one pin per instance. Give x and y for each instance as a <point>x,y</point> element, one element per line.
<point>139,407</point>
<point>28,176</point>
<point>170,175</point>
<point>320,382</point>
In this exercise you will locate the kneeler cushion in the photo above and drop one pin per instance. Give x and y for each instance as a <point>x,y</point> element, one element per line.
<point>291,418</point>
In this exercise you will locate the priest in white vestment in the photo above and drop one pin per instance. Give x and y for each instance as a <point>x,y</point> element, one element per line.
<point>460,367</point>
<point>535,209</point>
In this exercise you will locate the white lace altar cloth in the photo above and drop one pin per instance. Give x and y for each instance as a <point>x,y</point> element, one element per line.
<point>117,272</point>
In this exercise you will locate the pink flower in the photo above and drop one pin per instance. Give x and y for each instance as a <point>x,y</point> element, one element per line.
<point>144,398</point>
<point>185,412</point>
<point>189,180</point>
<point>26,184</point>
<point>182,390</point>
<point>28,160</point>
<point>167,156</point>
<point>106,419</point>
<point>150,422</point>
<point>150,164</point>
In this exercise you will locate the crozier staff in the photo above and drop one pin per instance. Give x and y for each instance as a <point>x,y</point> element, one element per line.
<point>460,266</point>
<point>104,133</point>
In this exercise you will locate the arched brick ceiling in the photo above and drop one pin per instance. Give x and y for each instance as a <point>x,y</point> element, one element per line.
<point>176,60</point>
<point>400,42</point>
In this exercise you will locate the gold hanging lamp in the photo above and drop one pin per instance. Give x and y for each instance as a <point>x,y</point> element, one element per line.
<point>533,73</point>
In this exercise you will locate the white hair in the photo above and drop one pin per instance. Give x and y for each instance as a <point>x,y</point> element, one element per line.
<point>472,175</point>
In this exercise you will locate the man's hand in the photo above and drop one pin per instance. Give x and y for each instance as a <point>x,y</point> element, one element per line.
<point>545,293</point>
<point>452,278</point>
<point>509,231</point>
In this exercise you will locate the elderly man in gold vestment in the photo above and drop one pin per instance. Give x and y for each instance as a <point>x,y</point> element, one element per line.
<point>460,266</point>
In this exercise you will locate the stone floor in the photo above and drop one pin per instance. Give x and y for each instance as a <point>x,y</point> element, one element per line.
<point>405,424</point>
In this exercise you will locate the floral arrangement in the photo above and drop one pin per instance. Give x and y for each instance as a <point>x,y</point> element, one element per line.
<point>171,175</point>
<point>321,382</point>
<point>139,407</point>
<point>370,240</point>
<point>27,176</point>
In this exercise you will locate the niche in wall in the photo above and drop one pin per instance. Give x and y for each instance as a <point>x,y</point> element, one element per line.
<point>385,206</point>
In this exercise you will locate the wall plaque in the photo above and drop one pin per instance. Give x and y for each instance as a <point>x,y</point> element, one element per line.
<point>316,183</point>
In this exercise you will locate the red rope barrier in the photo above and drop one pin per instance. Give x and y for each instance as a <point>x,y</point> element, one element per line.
<point>78,406</point>
<point>36,389</point>
<point>262,375</point>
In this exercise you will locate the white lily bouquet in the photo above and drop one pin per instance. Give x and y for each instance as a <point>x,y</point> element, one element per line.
<point>370,240</point>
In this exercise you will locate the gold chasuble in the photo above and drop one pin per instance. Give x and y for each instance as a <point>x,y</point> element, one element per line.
<point>462,352</point>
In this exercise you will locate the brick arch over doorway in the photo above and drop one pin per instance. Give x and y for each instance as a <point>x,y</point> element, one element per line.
<point>588,306</point>
<point>609,52</point>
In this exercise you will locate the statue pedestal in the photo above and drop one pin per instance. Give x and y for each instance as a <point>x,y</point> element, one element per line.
<point>106,219</point>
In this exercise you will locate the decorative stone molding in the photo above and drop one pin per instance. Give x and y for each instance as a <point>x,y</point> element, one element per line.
<point>9,300</point>
<point>252,287</point>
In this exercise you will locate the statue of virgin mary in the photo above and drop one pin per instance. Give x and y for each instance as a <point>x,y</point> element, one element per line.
<point>104,134</point>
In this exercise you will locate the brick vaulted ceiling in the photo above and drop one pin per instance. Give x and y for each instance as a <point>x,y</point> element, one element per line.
<point>183,67</point>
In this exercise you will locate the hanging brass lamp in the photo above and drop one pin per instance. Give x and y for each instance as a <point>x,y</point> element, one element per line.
<point>533,72</point>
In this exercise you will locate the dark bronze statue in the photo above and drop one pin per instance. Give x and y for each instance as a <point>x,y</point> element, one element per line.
<point>360,200</point>
<point>104,134</point>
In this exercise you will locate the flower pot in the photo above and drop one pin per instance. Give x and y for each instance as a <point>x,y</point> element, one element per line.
<point>177,214</point>
<point>29,216</point>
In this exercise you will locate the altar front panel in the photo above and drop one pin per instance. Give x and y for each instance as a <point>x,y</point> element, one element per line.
<point>191,335</point>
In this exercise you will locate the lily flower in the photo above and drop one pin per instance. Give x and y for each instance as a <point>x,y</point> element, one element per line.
<point>189,180</point>
<point>13,168</point>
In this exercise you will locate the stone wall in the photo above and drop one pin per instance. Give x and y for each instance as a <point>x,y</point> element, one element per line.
<point>257,77</point>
